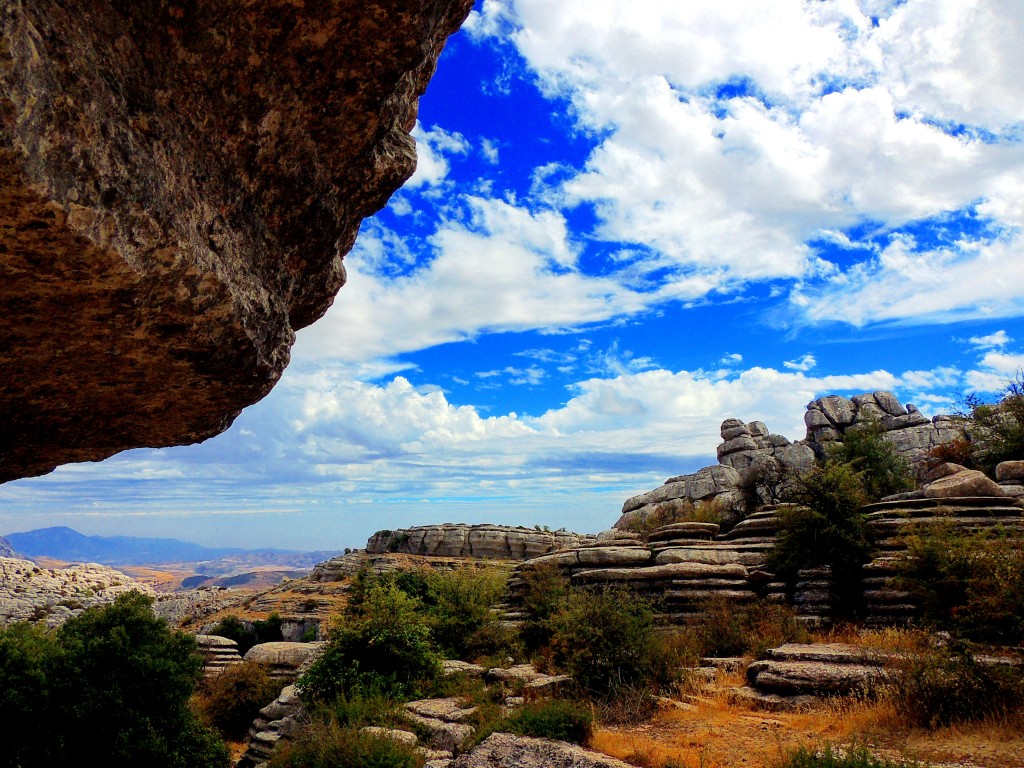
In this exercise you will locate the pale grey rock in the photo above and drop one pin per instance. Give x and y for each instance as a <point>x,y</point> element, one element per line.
<point>6,550</point>
<point>704,484</point>
<point>443,735</point>
<point>757,429</point>
<point>480,541</point>
<point>815,419</point>
<point>503,750</point>
<point>889,403</point>
<point>451,709</point>
<point>392,734</point>
<point>53,595</point>
<point>282,659</point>
<point>219,653</point>
<point>839,410</point>
<point>741,443</point>
<point>278,721</point>
<point>456,667</point>
<point>733,428</point>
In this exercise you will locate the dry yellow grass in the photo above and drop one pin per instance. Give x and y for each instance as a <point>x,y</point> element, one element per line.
<point>714,733</point>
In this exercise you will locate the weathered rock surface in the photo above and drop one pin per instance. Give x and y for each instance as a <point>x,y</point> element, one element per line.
<point>503,750</point>
<point>814,670</point>
<point>279,721</point>
<point>497,542</point>
<point>30,593</point>
<point>965,482</point>
<point>913,434</point>
<point>178,186</point>
<point>6,550</point>
<point>219,653</point>
<point>283,659</point>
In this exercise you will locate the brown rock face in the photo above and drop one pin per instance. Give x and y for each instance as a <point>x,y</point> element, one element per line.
<point>179,182</point>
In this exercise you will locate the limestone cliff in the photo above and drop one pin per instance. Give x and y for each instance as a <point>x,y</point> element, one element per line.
<point>179,182</point>
<point>499,542</point>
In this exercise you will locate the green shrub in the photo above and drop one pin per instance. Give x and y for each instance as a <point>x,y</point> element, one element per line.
<point>853,757</point>
<point>231,700</point>
<point>996,430</point>
<point>329,745</point>
<point>110,687</point>
<point>551,719</point>
<point>545,587</point>
<point>969,583</point>
<point>383,645</point>
<point>458,606</point>
<point>826,528</point>
<point>881,468</point>
<point>249,634</point>
<point>945,687</point>
<point>361,708</point>
<point>606,640</point>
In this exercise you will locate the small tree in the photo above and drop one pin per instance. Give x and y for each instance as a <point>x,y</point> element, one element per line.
<point>881,468</point>
<point>826,528</point>
<point>383,645</point>
<point>996,430</point>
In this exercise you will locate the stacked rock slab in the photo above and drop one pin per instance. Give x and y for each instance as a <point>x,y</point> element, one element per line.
<point>682,567</point>
<point>796,675</point>
<point>890,522</point>
<point>913,434</point>
<point>498,542</point>
<point>744,447</point>
<point>179,183</point>
<point>283,660</point>
<point>279,721</point>
<point>218,652</point>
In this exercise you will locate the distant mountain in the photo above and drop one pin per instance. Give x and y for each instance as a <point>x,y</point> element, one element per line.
<point>63,543</point>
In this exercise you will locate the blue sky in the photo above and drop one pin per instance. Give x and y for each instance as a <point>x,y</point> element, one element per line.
<point>629,222</point>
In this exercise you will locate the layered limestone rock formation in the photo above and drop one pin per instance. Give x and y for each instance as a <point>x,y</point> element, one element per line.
<point>493,542</point>
<point>889,524</point>
<point>503,749</point>
<point>53,595</point>
<point>913,434</point>
<point>178,186</point>
<point>218,652</point>
<point>283,660</point>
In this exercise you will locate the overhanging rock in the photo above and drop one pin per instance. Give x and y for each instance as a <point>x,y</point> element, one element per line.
<point>179,182</point>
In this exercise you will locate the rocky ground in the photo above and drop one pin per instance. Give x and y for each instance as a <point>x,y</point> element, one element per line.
<point>52,595</point>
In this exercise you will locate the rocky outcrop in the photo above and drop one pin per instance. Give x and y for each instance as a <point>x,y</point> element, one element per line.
<point>283,660</point>
<point>491,542</point>
<point>891,522</point>
<point>6,550</point>
<point>218,653</point>
<point>913,434</point>
<point>503,749</point>
<point>31,593</point>
<point>178,186</point>
<point>281,720</point>
<point>796,675</point>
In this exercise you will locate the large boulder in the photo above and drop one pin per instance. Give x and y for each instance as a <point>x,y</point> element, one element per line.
<point>967,482</point>
<point>179,183</point>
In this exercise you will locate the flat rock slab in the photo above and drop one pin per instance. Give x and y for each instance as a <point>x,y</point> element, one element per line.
<point>451,710</point>
<point>772,702</point>
<point>832,653</point>
<point>814,678</point>
<point>503,750</point>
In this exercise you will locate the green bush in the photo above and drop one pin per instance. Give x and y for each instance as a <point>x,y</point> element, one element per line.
<point>551,719</point>
<point>969,583</point>
<point>545,588</point>
<point>881,468</point>
<point>231,700</point>
<point>826,528</point>
<point>110,687</point>
<point>606,640</point>
<point>382,645</point>
<point>945,687</point>
<point>329,745</point>
<point>996,430</point>
<point>458,606</point>
<point>247,635</point>
<point>853,757</point>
